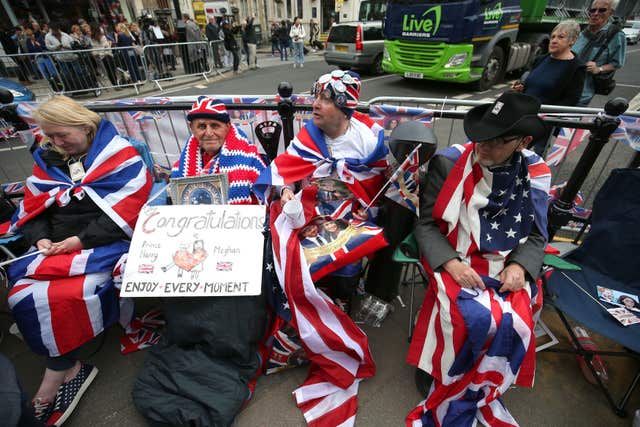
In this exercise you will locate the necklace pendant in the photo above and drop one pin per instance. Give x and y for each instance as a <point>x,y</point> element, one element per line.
<point>76,171</point>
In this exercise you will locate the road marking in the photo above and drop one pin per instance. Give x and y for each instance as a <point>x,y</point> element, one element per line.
<point>625,85</point>
<point>487,99</point>
<point>500,86</point>
<point>200,86</point>
<point>19,147</point>
<point>633,50</point>
<point>463,96</point>
<point>634,104</point>
<point>378,78</point>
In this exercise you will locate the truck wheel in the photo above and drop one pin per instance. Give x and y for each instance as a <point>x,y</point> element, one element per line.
<point>376,67</point>
<point>493,71</point>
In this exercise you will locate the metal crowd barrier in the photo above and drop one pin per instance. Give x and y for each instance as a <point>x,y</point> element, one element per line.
<point>90,71</point>
<point>162,125</point>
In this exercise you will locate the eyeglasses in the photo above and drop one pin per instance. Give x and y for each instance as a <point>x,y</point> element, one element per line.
<point>497,142</point>
<point>593,10</point>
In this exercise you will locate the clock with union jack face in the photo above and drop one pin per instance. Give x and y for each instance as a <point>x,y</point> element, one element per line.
<point>202,190</point>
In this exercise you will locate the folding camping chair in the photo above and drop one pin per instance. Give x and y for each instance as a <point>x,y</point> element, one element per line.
<point>408,254</point>
<point>608,257</point>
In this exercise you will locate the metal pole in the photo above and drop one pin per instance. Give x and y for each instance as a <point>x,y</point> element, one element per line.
<point>606,123</point>
<point>286,110</point>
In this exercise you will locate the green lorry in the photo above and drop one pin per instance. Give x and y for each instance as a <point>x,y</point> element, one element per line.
<point>472,40</point>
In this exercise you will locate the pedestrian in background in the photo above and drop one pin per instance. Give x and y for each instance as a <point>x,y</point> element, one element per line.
<point>213,35</point>
<point>314,32</point>
<point>283,38</point>
<point>231,45</point>
<point>249,35</point>
<point>297,35</point>
<point>600,33</point>
<point>275,44</point>
<point>556,78</point>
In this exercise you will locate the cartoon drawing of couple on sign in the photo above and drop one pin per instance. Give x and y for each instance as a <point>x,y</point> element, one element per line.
<point>192,262</point>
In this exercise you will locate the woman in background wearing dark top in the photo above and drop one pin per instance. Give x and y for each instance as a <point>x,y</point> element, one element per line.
<point>556,78</point>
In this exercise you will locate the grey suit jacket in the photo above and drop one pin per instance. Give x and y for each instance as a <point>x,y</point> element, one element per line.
<point>434,245</point>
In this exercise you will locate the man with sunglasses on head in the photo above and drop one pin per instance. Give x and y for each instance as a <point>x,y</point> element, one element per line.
<point>482,232</point>
<point>600,32</point>
<point>338,144</point>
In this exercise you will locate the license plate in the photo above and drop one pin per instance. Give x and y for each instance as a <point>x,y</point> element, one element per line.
<point>342,48</point>
<point>413,75</point>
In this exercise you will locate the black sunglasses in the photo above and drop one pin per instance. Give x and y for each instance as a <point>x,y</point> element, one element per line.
<point>598,9</point>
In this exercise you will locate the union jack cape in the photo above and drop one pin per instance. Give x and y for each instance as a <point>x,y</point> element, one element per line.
<point>338,350</point>
<point>60,302</point>
<point>238,158</point>
<point>475,343</point>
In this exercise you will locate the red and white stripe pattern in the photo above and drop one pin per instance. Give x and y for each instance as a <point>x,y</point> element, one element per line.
<point>116,179</point>
<point>337,348</point>
<point>476,344</point>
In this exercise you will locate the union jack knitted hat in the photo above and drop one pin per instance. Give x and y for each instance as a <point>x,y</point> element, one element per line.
<point>208,108</point>
<point>343,87</point>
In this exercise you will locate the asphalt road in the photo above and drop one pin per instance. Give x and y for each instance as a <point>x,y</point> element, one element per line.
<point>15,161</point>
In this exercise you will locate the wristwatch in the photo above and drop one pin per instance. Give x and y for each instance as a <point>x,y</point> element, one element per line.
<point>599,70</point>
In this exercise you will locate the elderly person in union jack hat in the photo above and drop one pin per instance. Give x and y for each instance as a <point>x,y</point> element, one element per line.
<point>79,210</point>
<point>211,345</point>
<point>218,146</point>
<point>482,232</point>
<point>340,145</point>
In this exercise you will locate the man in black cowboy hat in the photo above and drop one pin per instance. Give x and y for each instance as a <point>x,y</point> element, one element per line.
<point>482,233</point>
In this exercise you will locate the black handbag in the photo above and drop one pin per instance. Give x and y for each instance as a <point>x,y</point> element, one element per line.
<point>604,83</point>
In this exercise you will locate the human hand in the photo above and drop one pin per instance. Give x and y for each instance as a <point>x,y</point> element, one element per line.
<point>517,86</point>
<point>66,246</point>
<point>360,214</point>
<point>592,67</point>
<point>464,275</point>
<point>286,195</point>
<point>44,245</point>
<point>512,278</point>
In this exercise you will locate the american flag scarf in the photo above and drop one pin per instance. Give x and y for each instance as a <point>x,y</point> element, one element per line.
<point>60,302</point>
<point>238,158</point>
<point>337,348</point>
<point>476,344</point>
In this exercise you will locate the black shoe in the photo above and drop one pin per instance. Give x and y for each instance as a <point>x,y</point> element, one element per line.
<point>69,394</point>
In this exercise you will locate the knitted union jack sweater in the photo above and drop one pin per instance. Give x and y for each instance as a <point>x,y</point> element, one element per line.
<point>238,159</point>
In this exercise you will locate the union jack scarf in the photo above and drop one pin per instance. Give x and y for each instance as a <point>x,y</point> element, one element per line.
<point>474,343</point>
<point>337,348</point>
<point>61,301</point>
<point>116,180</point>
<point>238,158</point>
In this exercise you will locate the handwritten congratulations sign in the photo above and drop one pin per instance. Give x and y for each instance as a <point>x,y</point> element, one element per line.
<point>196,250</point>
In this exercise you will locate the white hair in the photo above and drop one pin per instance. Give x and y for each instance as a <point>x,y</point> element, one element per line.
<point>570,27</point>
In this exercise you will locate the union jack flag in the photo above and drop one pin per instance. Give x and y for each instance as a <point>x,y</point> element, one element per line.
<point>46,290</point>
<point>116,179</point>
<point>628,132</point>
<point>224,266</point>
<point>147,115</point>
<point>404,187</point>
<point>485,342</point>
<point>13,187</point>
<point>26,110</point>
<point>337,348</point>
<point>419,114</point>
<point>568,139</point>
<point>283,352</point>
<point>142,332</point>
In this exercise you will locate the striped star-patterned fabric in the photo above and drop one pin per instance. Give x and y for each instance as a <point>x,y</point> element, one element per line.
<point>474,343</point>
